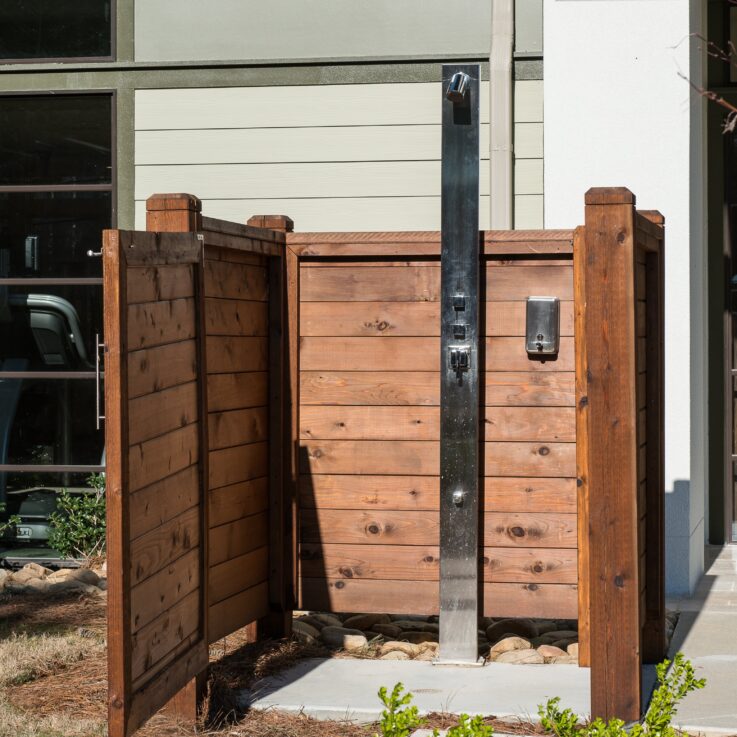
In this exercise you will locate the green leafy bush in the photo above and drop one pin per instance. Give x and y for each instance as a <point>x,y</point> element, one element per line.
<point>10,523</point>
<point>77,528</point>
<point>399,719</point>
<point>673,685</point>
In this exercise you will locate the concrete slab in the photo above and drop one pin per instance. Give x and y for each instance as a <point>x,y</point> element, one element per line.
<point>347,689</point>
<point>706,635</point>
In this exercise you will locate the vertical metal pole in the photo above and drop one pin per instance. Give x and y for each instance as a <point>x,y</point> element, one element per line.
<point>459,368</point>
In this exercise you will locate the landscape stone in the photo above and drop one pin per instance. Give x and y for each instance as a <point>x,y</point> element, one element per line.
<point>427,655</point>
<point>408,618</point>
<point>354,643</point>
<point>329,620</point>
<point>563,644</point>
<point>394,655</point>
<point>545,626</point>
<point>335,636</point>
<point>520,657</point>
<point>312,621</point>
<point>29,571</point>
<point>4,578</point>
<point>366,621</point>
<point>404,647</point>
<point>563,634</point>
<point>83,575</point>
<point>389,630</point>
<point>418,637</point>
<point>302,628</point>
<point>102,584</point>
<point>550,651</point>
<point>37,585</point>
<point>520,627</point>
<point>563,660</point>
<point>572,650</point>
<point>509,644</point>
<point>408,625</point>
<point>69,585</point>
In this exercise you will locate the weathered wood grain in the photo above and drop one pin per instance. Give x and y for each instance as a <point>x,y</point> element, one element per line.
<point>158,323</point>
<point>233,539</point>
<point>238,574</point>
<point>505,529</point>
<point>235,281</point>
<point>155,414</point>
<point>231,465</point>
<point>230,503</point>
<point>246,606</point>
<point>236,391</point>
<point>235,317</point>
<point>163,456</point>
<point>157,283</point>
<point>228,354</point>
<point>153,369</point>
<point>237,427</point>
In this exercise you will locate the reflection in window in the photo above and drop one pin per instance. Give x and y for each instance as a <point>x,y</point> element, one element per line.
<point>55,29</point>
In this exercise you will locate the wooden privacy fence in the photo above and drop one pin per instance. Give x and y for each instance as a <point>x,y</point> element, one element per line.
<point>272,404</point>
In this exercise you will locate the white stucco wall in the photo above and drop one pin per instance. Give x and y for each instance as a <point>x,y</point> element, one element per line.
<point>618,114</point>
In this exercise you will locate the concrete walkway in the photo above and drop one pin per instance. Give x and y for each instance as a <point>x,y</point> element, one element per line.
<point>707,634</point>
<point>346,689</point>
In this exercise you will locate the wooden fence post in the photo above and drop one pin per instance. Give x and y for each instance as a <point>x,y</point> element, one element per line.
<point>281,594</point>
<point>606,387</point>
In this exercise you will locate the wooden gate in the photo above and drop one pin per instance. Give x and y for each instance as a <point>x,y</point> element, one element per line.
<point>366,310</point>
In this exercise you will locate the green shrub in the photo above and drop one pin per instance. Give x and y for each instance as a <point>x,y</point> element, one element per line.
<point>77,528</point>
<point>673,685</point>
<point>11,521</point>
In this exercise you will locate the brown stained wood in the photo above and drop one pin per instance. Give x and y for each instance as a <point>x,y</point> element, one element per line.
<point>237,427</point>
<point>117,512</point>
<point>530,459</point>
<point>156,414</point>
<point>507,283</point>
<point>237,391</point>
<point>422,563</point>
<point>237,243</point>
<point>237,538</point>
<point>372,528</point>
<point>152,643</point>
<point>421,458</point>
<point>375,319</point>
<point>227,355</point>
<point>231,503</point>
<point>641,426</point>
<point>422,493</point>
<point>505,529</point>
<point>369,492</point>
<point>231,465</point>
<point>218,253</point>
<point>420,354</point>
<point>421,597</point>
<point>423,423</point>
<point>582,457</point>
<point>156,549</point>
<point>238,574</point>
<point>422,284</point>
<point>163,456</point>
<point>155,505</point>
<point>158,323</point>
<point>509,354</point>
<point>271,228</point>
<point>158,593</point>
<point>503,600</point>
<point>641,319</point>
<point>249,605</point>
<point>529,389</point>
<point>153,369</point>
<point>515,494</point>
<point>235,281</point>
<point>235,317</point>
<point>610,390</point>
<point>369,388</point>
<point>159,283</point>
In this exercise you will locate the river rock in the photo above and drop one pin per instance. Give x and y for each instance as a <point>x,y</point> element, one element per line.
<point>394,655</point>
<point>419,637</point>
<point>563,634</point>
<point>408,648</point>
<point>508,644</point>
<point>572,650</point>
<point>335,636</point>
<point>302,629</point>
<point>550,651</point>
<point>408,625</point>
<point>312,621</point>
<point>388,630</point>
<point>37,585</point>
<point>520,627</point>
<point>29,571</point>
<point>409,617</point>
<point>545,626</point>
<point>83,575</point>
<point>329,620</point>
<point>4,578</point>
<point>564,644</point>
<point>354,643</point>
<point>563,660</point>
<point>520,657</point>
<point>366,621</point>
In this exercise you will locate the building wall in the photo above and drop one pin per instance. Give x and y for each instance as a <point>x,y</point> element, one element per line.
<point>630,120</point>
<point>331,156</point>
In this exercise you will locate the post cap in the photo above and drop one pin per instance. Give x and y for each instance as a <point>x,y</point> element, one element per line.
<point>175,201</point>
<point>654,216</point>
<point>272,222</point>
<point>610,196</point>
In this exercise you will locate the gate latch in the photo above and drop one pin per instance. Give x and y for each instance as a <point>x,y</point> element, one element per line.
<point>460,359</point>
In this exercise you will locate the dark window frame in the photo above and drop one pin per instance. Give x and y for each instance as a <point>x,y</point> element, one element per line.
<point>78,59</point>
<point>113,189</point>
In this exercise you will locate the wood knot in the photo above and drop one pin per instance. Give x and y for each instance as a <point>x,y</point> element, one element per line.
<point>538,567</point>
<point>339,584</point>
<point>374,529</point>
<point>429,559</point>
<point>381,326</point>
<point>346,572</point>
<point>532,587</point>
<point>544,450</point>
<point>517,531</point>
<point>619,582</point>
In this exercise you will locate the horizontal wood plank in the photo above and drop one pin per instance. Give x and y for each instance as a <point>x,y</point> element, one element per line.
<point>231,503</point>
<point>237,538</point>
<point>156,283</point>
<point>161,412</point>
<point>237,574</point>
<point>239,610</point>
<point>153,369</point>
<point>242,463</point>
<point>235,281</point>
<point>162,456</point>
<point>237,391</point>
<point>158,323</point>
<point>539,530</point>
<point>237,427</point>
<point>228,354</point>
<point>235,317</point>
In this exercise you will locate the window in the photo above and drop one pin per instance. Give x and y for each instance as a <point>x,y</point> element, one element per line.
<point>55,29</point>
<point>56,197</point>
